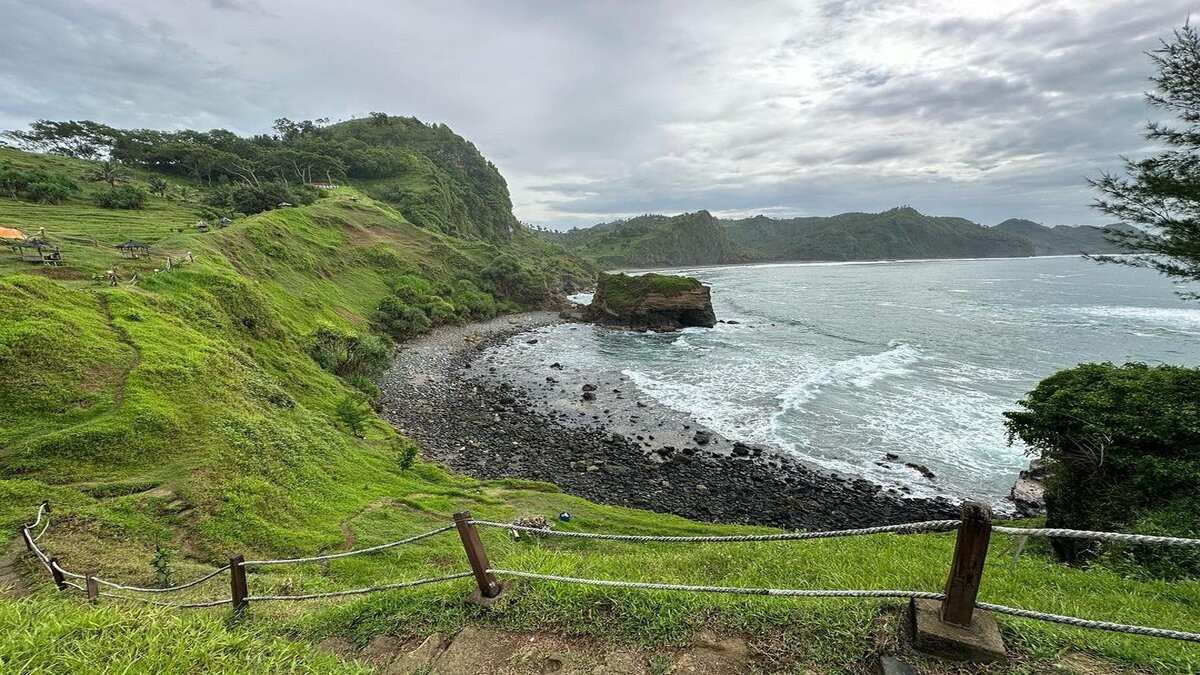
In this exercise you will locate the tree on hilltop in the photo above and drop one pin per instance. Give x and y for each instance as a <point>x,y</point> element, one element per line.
<point>1162,193</point>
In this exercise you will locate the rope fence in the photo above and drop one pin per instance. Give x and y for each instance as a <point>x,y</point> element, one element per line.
<point>958,599</point>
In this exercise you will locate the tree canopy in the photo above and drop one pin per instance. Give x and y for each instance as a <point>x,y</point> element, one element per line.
<point>1161,193</point>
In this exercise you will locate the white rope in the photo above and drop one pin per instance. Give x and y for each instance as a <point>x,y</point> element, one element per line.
<point>65,573</point>
<point>331,556</point>
<point>361,591</point>
<point>1087,623</point>
<point>170,589</point>
<point>36,521</point>
<point>1101,536</point>
<point>790,592</point>
<point>172,605</point>
<point>906,528</point>
<point>43,530</point>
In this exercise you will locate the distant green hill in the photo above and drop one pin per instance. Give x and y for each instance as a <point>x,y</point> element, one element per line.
<point>647,241</point>
<point>1062,239</point>
<point>900,233</point>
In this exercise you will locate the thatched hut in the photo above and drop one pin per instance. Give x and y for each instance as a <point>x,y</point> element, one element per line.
<point>133,248</point>
<point>37,250</point>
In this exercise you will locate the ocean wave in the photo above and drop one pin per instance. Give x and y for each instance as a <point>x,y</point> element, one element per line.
<point>859,371</point>
<point>1170,317</point>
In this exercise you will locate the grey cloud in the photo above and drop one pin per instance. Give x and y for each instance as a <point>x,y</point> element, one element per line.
<point>594,110</point>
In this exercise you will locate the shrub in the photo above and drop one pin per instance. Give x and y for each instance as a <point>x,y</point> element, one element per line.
<point>44,187</point>
<point>121,197</point>
<point>406,454</point>
<point>353,412</point>
<point>472,303</point>
<point>46,193</point>
<point>510,280</point>
<point>349,355</point>
<point>1123,446</point>
<point>399,319</point>
<point>250,199</point>
<point>161,564</point>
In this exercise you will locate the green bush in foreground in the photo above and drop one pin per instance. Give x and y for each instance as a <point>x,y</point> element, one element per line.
<point>1123,444</point>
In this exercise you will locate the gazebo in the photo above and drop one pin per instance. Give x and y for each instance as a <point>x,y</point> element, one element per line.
<point>133,248</point>
<point>37,250</point>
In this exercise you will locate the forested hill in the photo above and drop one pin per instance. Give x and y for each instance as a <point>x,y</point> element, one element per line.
<point>436,178</point>
<point>900,233</point>
<point>647,241</point>
<point>1063,239</point>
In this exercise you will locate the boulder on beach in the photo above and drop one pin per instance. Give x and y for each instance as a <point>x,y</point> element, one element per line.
<point>655,302</point>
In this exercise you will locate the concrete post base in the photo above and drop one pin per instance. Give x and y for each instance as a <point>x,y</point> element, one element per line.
<point>477,598</point>
<point>981,643</point>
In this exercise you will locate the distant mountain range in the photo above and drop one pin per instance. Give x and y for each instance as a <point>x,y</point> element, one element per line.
<point>902,233</point>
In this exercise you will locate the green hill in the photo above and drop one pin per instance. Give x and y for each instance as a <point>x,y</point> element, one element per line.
<point>1062,239</point>
<point>653,241</point>
<point>901,233</point>
<point>192,413</point>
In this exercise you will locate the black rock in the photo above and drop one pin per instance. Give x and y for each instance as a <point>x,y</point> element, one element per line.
<point>741,450</point>
<point>589,387</point>
<point>589,396</point>
<point>702,437</point>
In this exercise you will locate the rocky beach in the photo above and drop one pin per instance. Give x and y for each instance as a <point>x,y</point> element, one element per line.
<point>595,436</point>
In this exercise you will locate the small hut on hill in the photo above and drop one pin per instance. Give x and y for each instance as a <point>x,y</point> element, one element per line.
<point>37,250</point>
<point>201,226</point>
<point>224,222</point>
<point>133,248</point>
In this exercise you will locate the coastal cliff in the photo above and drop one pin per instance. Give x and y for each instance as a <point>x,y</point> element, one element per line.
<point>653,302</point>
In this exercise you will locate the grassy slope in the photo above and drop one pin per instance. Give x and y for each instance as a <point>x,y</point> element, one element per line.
<point>184,411</point>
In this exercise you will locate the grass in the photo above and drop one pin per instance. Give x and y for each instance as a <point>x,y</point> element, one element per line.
<point>184,411</point>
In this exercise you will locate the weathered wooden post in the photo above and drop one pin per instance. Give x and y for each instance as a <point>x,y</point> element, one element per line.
<point>953,627</point>
<point>970,552</point>
<point>488,587</point>
<point>28,539</point>
<point>92,586</point>
<point>56,572</point>
<point>237,582</point>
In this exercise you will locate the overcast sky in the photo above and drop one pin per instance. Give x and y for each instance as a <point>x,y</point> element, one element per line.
<point>596,110</point>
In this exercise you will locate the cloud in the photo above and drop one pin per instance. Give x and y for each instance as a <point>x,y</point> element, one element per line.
<point>596,110</point>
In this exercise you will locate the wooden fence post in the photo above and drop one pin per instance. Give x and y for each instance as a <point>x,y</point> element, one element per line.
<point>476,555</point>
<point>28,540</point>
<point>970,552</point>
<point>93,587</point>
<point>55,572</point>
<point>237,582</point>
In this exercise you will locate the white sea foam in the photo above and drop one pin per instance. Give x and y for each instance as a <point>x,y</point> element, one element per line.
<point>859,371</point>
<point>1187,319</point>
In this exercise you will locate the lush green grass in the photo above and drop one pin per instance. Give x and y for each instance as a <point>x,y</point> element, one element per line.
<point>52,635</point>
<point>185,412</point>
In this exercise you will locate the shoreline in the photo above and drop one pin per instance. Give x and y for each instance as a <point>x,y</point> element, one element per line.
<point>442,392</point>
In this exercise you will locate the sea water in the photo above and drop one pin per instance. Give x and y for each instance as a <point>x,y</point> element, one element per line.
<point>841,364</point>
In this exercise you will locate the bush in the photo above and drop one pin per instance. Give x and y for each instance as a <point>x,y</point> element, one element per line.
<point>1123,447</point>
<point>472,303</point>
<point>250,199</point>
<point>510,280</point>
<point>406,454</point>
<point>349,355</point>
<point>399,319</point>
<point>121,197</point>
<point>46,193</point>
<point>44,187</point>
<point>353,412</point>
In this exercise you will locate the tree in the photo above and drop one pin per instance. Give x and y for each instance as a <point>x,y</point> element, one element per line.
<point>109,171</point>
<point>1123,447</point>
<point>1162,193</point>
<point>158,185</point>
<point>353,412</point>
<point>380,119</point>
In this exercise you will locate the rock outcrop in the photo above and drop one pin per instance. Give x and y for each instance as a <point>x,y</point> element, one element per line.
<point>1029,492</point>
<point>654,302</point>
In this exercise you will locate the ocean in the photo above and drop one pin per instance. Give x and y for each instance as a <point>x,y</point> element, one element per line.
<point>841,364</point>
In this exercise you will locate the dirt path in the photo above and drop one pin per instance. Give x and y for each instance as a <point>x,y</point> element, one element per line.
<point>124,337</point>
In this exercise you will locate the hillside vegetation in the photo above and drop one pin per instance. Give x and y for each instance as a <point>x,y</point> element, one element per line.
<point>901,233</point>
<point>192,413</point>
